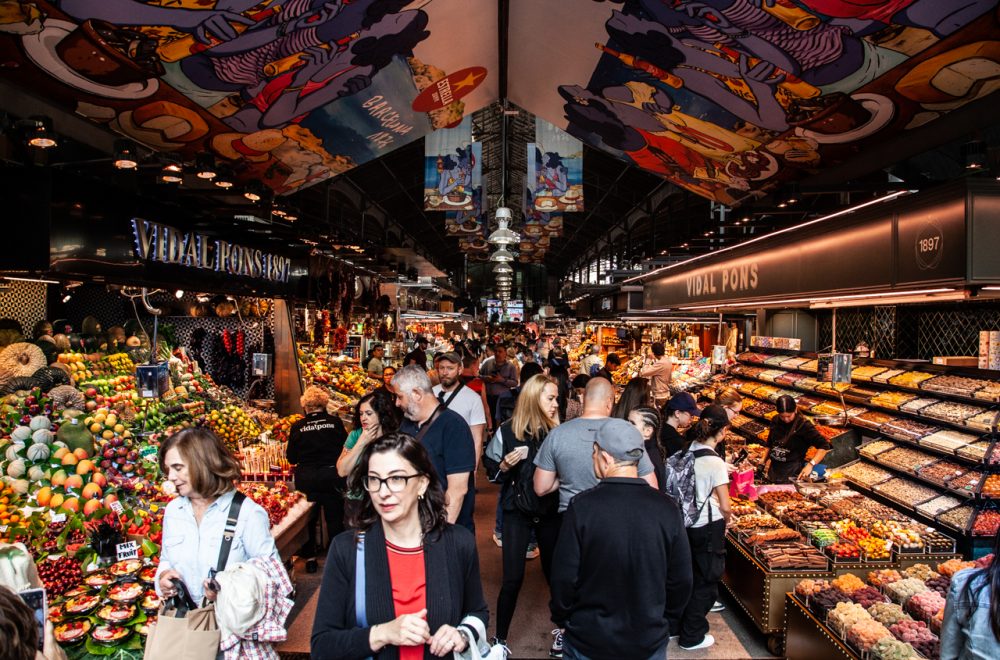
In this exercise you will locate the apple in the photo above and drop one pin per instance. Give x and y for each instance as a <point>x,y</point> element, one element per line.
<point>105,464</point>
<point>91,392</point>
<point>72,504</point>
<point>92,491</point>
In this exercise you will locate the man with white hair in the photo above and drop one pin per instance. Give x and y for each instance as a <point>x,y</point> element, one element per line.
<point>593,359</point>
<point>445,435</point>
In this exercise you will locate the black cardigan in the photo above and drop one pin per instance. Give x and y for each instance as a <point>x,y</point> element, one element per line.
<point>454,590</point>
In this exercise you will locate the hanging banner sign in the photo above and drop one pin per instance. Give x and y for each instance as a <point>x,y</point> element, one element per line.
<point>452,169</point>
<point>555,169</point>
<point>162,243</point>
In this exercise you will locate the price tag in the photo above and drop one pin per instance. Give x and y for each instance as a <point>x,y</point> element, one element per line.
<point>58,517</point>
<point>3,529</point>
<point>149,452</point>
<point>128,550</point>
<point>117,507</point>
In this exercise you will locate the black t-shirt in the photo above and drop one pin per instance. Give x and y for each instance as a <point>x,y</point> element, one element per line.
<point>672,440</point>
<point>316,440</point>
<point>789,444</point>
<point>451,448</point>
<point>417,356</point>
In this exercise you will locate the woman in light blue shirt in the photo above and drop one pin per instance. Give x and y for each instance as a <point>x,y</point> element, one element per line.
<point>971,626</point>
<point>204,473</point>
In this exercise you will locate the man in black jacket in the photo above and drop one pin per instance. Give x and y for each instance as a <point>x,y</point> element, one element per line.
<point>620,537</point>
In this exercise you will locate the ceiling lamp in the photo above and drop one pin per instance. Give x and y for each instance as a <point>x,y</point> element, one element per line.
<point>504,235</point>
<point>254,191</point>
<point>125,155</point>
<point>974,154</point>
<point>38,132</point>
<point>206,167</point>
<point>291,214</point>
<point>172,172</point>
<point>278,209</point>
<point>792,195</point>
<point>502,255</point>
<point>223,178</point>
<point>504,277</point>
<point>503,268</point>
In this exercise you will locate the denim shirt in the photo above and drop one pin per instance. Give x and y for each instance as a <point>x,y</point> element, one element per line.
<point>192,550</point>
<point>966,635</point>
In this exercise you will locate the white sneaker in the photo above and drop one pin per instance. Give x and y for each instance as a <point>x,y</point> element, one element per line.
<point>497,540</point>
<point>704,644</point>
<point>717,607</point>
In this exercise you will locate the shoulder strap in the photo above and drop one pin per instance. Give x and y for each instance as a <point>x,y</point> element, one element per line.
<point>451,397</point>
<point>699,453</point>
<point>360,608</point>
<point>423,431</point>
<point>230,531</point>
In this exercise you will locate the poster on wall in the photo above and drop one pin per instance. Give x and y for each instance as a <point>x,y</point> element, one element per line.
<point>730,99</point>
<point>288,93</point>
<point>555,168</point>
<point>452,169</point>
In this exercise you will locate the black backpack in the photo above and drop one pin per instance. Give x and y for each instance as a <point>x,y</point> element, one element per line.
<point>523,487</point>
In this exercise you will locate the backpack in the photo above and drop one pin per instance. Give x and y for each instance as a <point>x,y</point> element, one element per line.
<point>595,369</point>
<point>679,477</point>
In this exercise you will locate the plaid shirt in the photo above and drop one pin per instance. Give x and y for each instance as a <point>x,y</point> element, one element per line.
<point>255,644</point>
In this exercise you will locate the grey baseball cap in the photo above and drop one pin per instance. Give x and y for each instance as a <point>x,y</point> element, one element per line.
<point>620,439</point>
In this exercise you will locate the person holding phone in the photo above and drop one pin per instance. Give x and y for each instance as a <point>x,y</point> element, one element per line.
<point>20,637</point>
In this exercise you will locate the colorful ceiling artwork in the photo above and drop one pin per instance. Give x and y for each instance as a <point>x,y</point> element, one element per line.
<point>288,92</point>
<point>730,98</point>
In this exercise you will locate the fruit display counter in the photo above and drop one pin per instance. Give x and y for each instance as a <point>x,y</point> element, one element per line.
<point>80,476</point>
<point>342,377</point>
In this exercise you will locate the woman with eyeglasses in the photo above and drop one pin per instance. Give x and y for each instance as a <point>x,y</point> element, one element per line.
<point>418,586</point>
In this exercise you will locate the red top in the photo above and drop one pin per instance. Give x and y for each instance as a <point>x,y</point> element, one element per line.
<point>409,588</point>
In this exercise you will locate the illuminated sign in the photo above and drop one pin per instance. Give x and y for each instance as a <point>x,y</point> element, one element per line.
<point>157,242</point>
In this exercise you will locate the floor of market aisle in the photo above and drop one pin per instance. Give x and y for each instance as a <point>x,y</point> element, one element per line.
<point>530,637</point>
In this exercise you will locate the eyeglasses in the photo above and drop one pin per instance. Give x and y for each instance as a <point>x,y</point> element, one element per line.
<point>396,482</point>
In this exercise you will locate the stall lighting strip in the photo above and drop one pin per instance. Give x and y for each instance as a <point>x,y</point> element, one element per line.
<point>30,279</point>
<point>854,297</point>
<point>887,198</point>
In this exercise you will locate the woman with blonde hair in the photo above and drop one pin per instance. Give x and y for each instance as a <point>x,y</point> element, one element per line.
<point>314,445</point>
<point>510,460</point>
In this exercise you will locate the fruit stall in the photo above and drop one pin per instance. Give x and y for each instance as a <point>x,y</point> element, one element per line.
<point>80,481</point>
<point>342,377</point>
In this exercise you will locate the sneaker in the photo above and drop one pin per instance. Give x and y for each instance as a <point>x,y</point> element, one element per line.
<point>532,553</point>
<point>498,640</point>
<point>497,540</point>
<point>704,644</point>
<point>556,649</point>
<point>718,607</point>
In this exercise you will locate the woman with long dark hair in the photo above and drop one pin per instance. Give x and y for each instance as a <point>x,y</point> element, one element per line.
<point>560,374</point>
<point>647,420</point>
<point>789,439</point>
<point>419,580</point>
<point>637,394</point>
<point>971,627</point>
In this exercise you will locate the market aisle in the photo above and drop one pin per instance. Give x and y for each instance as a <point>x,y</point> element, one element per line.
<point>531,629</point>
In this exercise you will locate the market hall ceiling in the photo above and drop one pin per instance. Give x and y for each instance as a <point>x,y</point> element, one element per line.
<point>727,99</point>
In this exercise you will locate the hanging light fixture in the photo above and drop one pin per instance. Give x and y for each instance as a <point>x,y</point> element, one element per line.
<point>254,191</point>
<point>502,255</point>
<point>291,214</point>
<point>125,155</point>
<point>172,172</point>
<point>38,132</point>
<point>504,235</point>
<point>206,166</point>
<point>278,209</point>
<point>503,268</point>
<point>224,178</point>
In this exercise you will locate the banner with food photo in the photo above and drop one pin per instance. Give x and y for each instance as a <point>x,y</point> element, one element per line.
<point>465,224</point>
<point>452,168</point>
<point>555,168</point>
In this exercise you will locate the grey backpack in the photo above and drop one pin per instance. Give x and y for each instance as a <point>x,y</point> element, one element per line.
<point>680,482</point>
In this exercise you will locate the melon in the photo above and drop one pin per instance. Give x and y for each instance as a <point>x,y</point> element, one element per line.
<point>20,486</point>
<point>42,437</point>
<point>16,469</point>
<point>36,473</point>
<point>40,422</point>
<point>13,452</point>
<point>20,434</point>
<point>74,435</point>
<point>38,452</point>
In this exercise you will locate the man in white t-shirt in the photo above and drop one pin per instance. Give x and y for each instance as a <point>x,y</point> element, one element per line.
<point>459,398</point>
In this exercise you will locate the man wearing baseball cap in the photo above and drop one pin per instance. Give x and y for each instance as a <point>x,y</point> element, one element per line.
<point>635,543</point>
<point>678,414</point>
<point>454,395</point>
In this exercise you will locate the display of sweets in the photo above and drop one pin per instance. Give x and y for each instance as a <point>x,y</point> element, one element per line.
<point>908,429</point>
<point>865,474</point>
<point>925,604</point>
<point>984,421</point>
<point>952,385</point>
<point>991,486</point>
<point>791,556</point>
<point>876,447</point>
<point>950,411</point>
<point>901,590</point>
<point>823,601</point>
<point>958,518</point>
<point>889,399</point>
<point>866,633</point>
<point>910,379</point>
<point>884,576</point>
<point>757,521</point>
<point>987,523</point>
<point>848,583</point>
<point>863,394</point>
<point>917,635</point>
<point>938,505</point>
<point>772,535</point>
<point>990,391</point>
<point>843,551</point>
<point>823,537</point>
<point>868,596</point>
<point>888,613</point>
<point>935,541</point>
<point>936,622</point>
<point>845,615</point>
<point>866,372</point>
<point>887,374</point>
<point>939,584</point>
<point>892,649</point>
<point>875,549</point>
<point>920,571</point>
<point>905,491</point>
<point>907,459</point>
<point>975,451</point>
<point>807,588</point>
<point>743,506</point>
<point>968,482</point>
<point>916,405</point>
<point>873,419</point>
<point>942,471</point>
<point>905,538</point>
<point>952,566</point>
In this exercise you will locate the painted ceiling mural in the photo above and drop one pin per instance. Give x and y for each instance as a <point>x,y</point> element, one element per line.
<point>288,92</point>
<point>730,98</point>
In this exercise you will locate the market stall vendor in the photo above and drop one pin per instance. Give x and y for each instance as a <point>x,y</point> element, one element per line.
<point>790,438</point>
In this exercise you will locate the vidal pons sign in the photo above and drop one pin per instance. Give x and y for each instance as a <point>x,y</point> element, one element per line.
<point>156,242</point>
